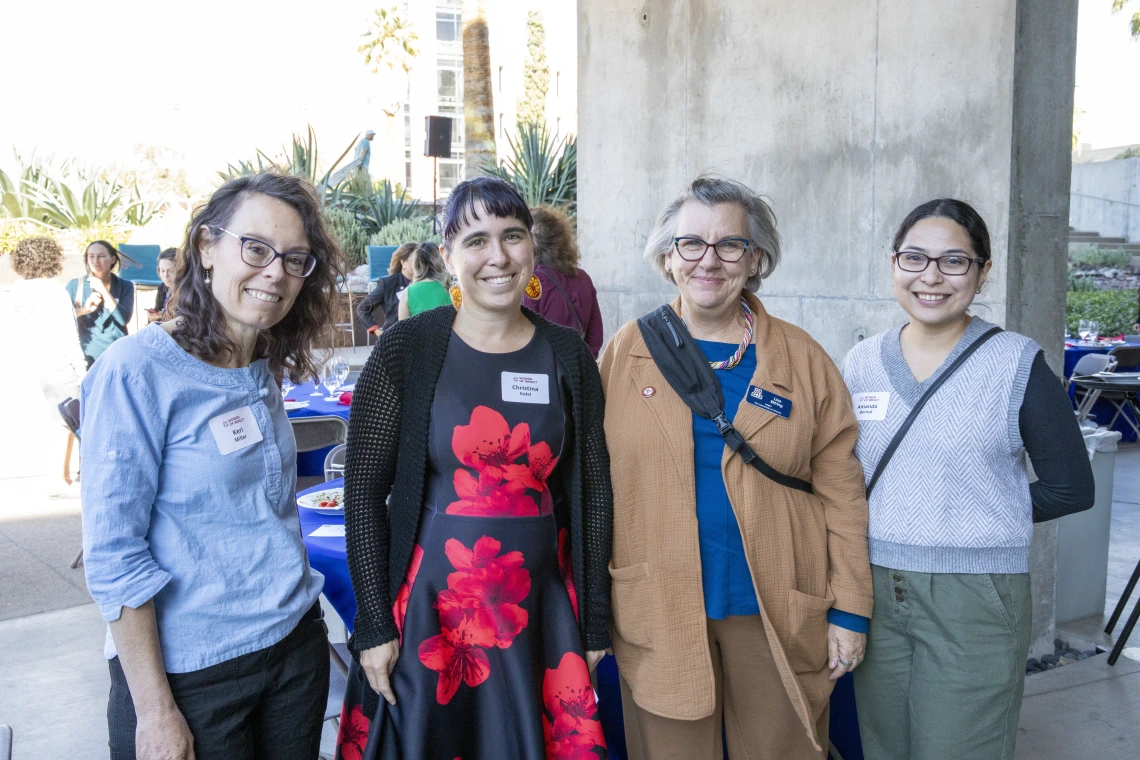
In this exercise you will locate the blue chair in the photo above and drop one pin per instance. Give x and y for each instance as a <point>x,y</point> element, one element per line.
<point>145,270</point>
<point>379,258</point>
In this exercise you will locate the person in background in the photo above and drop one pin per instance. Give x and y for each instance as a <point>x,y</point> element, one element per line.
<point>737,600</point>
<point>192,545</point>
<point>104,303</point>
<point>567,296</point>
<point>364,152</point>
<point>166,274</point>
<point>384,299</point>
<point>429,282</point>
<point>478,517</point>
<point>951,515</point>
<point>44,335</point>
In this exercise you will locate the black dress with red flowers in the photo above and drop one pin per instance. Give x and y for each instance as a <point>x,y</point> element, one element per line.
<point>491,665</point>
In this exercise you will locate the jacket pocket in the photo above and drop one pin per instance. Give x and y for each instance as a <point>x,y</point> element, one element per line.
<point>807,631</point>
<point>633,603</point>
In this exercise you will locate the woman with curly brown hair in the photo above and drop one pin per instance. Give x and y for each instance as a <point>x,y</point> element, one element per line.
<point>567,294</point>
<point>190,533</point>
<point>44,331</point>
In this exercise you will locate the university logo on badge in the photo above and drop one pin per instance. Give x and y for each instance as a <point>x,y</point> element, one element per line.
<point>871,405</point>
<point>768,401</point>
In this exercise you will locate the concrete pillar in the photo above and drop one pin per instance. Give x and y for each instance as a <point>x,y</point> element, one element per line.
<point>846,115</point>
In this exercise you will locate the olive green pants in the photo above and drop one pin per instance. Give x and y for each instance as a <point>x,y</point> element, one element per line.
<point>945,666</point>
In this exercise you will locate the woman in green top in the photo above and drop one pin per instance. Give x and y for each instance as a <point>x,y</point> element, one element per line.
<point>429,283</point>
<point>104,303</point>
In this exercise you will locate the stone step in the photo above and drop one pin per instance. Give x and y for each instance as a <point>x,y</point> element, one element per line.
<point>1096,240</point>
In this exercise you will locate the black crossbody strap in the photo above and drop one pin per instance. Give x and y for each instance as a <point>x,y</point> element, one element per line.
<point>898,439</point>
<point>688,373</point>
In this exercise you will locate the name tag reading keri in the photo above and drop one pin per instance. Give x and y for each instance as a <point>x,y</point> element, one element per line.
<point>871,405</point>
<point>526,389</point>
<point>235,430</point>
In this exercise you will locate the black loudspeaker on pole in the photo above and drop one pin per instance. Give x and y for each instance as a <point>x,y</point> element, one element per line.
<point>438,141</point>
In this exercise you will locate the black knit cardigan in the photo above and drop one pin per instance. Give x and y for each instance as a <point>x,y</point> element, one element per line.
<point>387,459</point>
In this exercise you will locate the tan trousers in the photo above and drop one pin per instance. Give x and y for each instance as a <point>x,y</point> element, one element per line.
<point>759,720</point>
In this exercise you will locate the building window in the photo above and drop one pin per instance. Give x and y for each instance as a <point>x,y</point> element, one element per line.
<point>450,174</point>
<point>457,132</point>
<point>447,26</point>
<point>447,85</point>
<point>407,129</point>
<point>408,176</point>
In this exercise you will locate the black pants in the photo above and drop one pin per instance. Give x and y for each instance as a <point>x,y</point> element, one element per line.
<point>267,704</point>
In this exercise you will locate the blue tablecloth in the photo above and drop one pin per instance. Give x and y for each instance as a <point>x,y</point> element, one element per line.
<point>1102,411</point>
<point>311,463</point>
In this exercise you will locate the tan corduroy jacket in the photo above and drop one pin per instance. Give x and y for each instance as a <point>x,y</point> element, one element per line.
<point>807,553</point>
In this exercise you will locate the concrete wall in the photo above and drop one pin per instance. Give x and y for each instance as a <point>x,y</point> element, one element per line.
<point>846,115</point>
<point>1105,198</point>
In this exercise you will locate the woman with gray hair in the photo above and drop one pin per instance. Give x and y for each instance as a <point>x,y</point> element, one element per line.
<point>740,593</point>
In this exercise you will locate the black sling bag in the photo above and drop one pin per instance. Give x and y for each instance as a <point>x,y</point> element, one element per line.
<point>894,444</point>
<point>687,370</point>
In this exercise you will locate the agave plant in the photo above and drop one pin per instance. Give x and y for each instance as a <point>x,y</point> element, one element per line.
<point>70,199</point>
<point>543,167</point>
<point>379,208</point>
<point>300,161</point>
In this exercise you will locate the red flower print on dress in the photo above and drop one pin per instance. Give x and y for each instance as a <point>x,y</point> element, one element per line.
<point>566,567</point>
<point>352,737</point>
<point>497,583</point>
<point>570,724</point>
<point>488,444</point>
<point>458,657</point>
<point>489,496</point>
<point>400,606</point>
<point>533,474</point>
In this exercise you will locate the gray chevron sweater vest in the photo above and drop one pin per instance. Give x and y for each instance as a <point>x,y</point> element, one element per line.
<point>955,496</point>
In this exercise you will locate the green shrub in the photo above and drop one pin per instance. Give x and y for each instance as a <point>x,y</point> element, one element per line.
<point>417,230</point>
<point>1079,284</point>
<point>1114,309</point>
<point>349,234</point>
<point>1091,257</point>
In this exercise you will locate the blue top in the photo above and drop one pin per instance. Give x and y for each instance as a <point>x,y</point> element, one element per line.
<point>213,538</point>
<point>725,576</point>
<point>364,152</point>
<point>101,328</point>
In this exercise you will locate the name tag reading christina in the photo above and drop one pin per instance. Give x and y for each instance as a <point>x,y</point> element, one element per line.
<point>526,389</point>
<point>871,405</point>
<point>235,430</point>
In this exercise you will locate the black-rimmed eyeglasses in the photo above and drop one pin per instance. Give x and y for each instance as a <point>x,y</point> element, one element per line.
<point>258,253</point>
<point>694,249</point>
<point>952,264</point>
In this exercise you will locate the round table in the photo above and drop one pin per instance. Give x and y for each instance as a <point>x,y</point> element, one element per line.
<point>1102,411</point>
<point>327,555</point>
<point>311,463</point>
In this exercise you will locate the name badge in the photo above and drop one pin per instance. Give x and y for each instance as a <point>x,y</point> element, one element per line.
<point>235,430</point>
<point>769,401</point>
<point>526,389</point>
<point>871,405</point>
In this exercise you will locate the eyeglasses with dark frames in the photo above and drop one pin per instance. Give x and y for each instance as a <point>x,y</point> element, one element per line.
<point>729,250</point>
<point>258,253</point>
<point>951,264</point>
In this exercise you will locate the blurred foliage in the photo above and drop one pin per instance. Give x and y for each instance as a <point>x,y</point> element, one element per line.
<point>1133,152</point>
<point>1134,22</point>
<point>300,159</point>
<point>1092,257</point>
<point>378,209</point>
<point>1078,283</point>
<point>417,230</point>
<point>536,73</point>
<point>1114,309</point>
<point>390,44</point>
<point>73,242</point>
<point>349,234</point>
<point>543,167</point>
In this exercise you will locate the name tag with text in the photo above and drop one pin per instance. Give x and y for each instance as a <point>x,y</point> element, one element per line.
<point>768,401</point>
<point>871,405</point>
<point>235,430</point>
<point>526,389</point>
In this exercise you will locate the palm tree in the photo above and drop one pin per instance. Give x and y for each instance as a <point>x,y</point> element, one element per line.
<point>478,97</point>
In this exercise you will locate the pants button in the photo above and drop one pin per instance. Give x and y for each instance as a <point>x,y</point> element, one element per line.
<point>896,578</point>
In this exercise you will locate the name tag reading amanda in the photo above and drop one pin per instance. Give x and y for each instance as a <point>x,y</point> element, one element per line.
<point>235,430</point>
<point>526,389</point>
<point>871,405</point>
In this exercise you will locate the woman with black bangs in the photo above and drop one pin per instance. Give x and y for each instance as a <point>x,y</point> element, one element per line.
<point>479,515</point>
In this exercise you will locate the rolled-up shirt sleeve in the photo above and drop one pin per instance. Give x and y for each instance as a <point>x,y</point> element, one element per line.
<point>123,436</point>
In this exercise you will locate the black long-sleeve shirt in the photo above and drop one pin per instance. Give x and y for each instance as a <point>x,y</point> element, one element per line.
<point>383,296</point>
<point>1055,446</point>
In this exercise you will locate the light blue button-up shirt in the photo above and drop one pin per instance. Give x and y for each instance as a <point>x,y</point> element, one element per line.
<point>213,538</point>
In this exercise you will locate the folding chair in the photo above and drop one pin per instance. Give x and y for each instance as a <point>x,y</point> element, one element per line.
<point>379,258</point>
<point>140,264</point>
<point>334,463</point>
<point>339,658</point>
<point>313,433</point>
<point>69,410</point>
<point>1090,364</point>
<point>1124,400</point>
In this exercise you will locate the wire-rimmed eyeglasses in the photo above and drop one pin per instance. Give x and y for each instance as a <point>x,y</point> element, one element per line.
<point>952,264</point>
<point>692,248</point>
<point>258,253</point>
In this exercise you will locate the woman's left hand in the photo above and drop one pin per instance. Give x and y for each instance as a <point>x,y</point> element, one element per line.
<point>844,646</point>
<point>594,657</point>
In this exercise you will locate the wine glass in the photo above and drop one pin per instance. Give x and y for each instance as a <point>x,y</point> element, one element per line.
<point>286,385</point>
<point>1083,330</point>
<point>333,375</point>
<point>1094,330</point>
<point>320,378</point>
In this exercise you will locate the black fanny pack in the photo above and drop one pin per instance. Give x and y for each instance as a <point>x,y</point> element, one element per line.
<point>688,373</point>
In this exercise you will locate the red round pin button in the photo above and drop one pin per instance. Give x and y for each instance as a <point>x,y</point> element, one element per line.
<point>648,391</point>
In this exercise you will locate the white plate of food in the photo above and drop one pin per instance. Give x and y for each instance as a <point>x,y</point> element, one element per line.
<point>292,405</point>
<point>325,500</point>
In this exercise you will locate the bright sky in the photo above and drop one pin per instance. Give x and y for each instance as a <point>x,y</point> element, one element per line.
<point>216,78</point>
